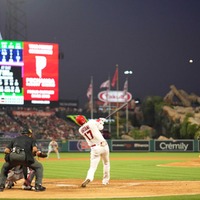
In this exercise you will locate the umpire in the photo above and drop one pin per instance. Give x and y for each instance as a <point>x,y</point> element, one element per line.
<point>21,151</point>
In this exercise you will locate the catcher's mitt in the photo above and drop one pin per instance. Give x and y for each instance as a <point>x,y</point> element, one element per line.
<point>41,155</point>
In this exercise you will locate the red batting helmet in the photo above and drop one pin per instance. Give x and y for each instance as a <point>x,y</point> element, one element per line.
<point>81,119</point>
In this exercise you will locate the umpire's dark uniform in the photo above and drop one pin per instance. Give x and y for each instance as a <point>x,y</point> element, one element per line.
<point>20,152</point>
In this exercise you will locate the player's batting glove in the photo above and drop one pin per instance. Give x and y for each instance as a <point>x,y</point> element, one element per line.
<point>102,119</point>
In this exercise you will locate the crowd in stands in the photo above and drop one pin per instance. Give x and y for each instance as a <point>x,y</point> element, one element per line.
<point>52,125</point>
<point>8,125</point>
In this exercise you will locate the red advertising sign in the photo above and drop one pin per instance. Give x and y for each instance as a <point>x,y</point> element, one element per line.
<point>40,75</point>
<point>114,96</point>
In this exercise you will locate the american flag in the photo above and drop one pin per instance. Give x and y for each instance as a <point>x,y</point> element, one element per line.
<point>89,91</point>
<point>125,86</point>
<point>105,84</point>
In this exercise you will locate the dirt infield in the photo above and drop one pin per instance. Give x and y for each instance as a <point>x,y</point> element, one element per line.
<point>129,188</point>
<point>66,188</point>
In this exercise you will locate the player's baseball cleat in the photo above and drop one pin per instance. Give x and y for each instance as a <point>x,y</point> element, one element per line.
<point>39,188</point>
<point>2,187</point>
<point>85,183</point>
<point>105,183</point>
<point>28,187</point>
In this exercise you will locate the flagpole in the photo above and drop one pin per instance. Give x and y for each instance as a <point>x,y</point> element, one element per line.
<point>117,118</point>
<point>115,80</point>
<point>106,84</point>
<point>109,107</point>
<point>92,111</point>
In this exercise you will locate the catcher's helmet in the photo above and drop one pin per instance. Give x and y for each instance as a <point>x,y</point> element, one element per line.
<point>81,119</point>
<point>26,131</point>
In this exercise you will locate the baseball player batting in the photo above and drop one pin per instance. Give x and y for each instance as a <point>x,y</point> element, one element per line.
<point>99,148</point>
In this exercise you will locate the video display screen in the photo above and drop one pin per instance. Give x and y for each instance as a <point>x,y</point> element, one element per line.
<point>28,72</point>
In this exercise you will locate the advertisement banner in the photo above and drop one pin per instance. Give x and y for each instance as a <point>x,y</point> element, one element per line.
<point>114,96</point>
<point>28,72</point>
<point>31,113</point>
<point>78,145</point>
<point>127,145</point>
<point>198,145</point>
<point>40,71</point>
<point>174,145</point>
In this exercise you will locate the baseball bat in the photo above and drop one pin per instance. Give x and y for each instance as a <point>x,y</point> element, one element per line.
<point>116,110</point>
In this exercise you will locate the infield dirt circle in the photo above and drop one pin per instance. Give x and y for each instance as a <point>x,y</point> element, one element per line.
<point>66,188</point>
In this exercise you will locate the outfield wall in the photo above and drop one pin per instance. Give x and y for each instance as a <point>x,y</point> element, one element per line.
<point>140,146</point>
<point>121,145</point>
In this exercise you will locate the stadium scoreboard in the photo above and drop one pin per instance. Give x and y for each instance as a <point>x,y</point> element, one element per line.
<point>28,72</point>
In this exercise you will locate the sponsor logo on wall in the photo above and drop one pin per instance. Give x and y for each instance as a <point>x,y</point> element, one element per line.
<point>136,145</point>
<point>174,145</point>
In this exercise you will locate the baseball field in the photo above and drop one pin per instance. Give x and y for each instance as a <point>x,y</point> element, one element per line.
<point>158,176</point>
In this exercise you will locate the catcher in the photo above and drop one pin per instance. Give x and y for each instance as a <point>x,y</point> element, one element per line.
<point>53,146</point>
<point>20,172</point>
<point>21,151</point>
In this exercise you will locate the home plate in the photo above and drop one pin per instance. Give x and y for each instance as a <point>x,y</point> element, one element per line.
<point>66,185</point>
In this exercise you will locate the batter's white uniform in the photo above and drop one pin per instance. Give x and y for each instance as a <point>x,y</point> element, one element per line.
<point>99,148</point>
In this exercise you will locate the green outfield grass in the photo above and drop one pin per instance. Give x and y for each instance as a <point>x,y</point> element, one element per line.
<point>143,166</point>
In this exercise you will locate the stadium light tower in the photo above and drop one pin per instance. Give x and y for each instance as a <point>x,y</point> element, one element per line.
<point>15,26</point>
<point>127,73</point>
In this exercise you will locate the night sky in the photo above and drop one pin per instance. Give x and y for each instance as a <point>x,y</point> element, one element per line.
<point>153,38</point>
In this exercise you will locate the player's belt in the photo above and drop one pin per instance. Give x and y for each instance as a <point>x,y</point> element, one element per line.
<point>103,143</point>
<point>17,149</point>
